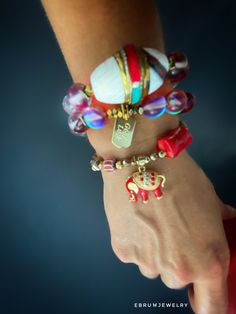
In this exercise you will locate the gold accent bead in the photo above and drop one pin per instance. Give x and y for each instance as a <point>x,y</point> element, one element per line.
<point>109,113</point>
<point>154,156</point>
<point>161,154</point>
<point>126,163</point>
<point>119,165</point>
<point>120,114</point>
<point>114,111</point>
<point>141,160</point>
<point>88,90</point>
<point>96,165</point>
<point>140,110</point>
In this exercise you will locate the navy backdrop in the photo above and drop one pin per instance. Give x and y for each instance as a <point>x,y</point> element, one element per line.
<point>55,253</point>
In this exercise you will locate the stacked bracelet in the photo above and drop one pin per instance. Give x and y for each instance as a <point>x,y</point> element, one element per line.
<point>122,84</point>
<point>134,81</point>
<point>144,181</point>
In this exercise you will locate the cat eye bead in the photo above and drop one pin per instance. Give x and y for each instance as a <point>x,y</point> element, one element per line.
<point>190,102</point>
<point>155,108</point>
<point>178,66</point>
<point>176,101</point>
<point>94,118</point>
<point>76,126</point>
<point>76,100</point>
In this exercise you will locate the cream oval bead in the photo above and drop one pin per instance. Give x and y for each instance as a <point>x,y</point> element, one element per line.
<point>107,84</point>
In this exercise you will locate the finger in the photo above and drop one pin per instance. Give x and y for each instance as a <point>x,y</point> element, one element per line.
<point>191,298</point>
<point>149,273</point>
<point>171,282</point>
<point>209,297</point>
<point>228,212</point>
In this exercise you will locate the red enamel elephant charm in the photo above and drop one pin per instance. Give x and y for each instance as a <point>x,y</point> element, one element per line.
<point>143,182</point>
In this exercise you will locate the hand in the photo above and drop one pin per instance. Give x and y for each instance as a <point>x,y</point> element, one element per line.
<point>180,237</point>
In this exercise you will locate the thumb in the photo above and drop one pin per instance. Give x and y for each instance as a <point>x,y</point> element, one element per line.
<point>228,212</point>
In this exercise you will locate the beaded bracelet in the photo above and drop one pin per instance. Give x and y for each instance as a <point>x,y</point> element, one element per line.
<point>126,79</point>
<point>144,181</point>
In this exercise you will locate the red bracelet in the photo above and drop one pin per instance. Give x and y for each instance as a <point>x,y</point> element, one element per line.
<point>144,181</point>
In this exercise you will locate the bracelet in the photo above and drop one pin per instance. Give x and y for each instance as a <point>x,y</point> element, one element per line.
<point>176,102</point>
<point>126,79</point>
<point>144,181</point>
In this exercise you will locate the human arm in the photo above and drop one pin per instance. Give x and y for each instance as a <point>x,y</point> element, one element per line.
<point>160,237</point>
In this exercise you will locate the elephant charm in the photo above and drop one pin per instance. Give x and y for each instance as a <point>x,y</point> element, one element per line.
<point>143,182</point>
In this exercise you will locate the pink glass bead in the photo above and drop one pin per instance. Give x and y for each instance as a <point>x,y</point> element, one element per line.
<point>76,100</point>
<point>109,165</point>
<point>179,66</point>
<point>94,117</point>
<point>76,126</point>
<point>155,108</point>
<point>176,101</point>
<point>190,103</point>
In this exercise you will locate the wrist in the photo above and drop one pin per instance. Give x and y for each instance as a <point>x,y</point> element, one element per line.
<point>144,140</point>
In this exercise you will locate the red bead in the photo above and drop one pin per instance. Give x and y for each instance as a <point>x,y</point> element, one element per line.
<point>176,101</point>
<point>76,100</point>
<point>76,126</point>
<point>175,141</point>
<point>190,102</point>
<point>179,66</point>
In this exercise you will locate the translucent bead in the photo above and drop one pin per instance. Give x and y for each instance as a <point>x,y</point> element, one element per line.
<point>176,102</point>
<point>76,126</point>
<point>155,108</point>
<point>190,103</point>
<point>94,118</point>
<point>76,100</point>
<point>178,66</point>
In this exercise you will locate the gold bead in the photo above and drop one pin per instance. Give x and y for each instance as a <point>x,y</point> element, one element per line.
<point>109,113</point>
<point>140,110</point>
<point>96,165</point>
<point>126,163</point>
<point>119,165</point>
<point>154,156</point>
<point>161,154</point>
<point>141,160</point>
<point>120,114</point>
<point>114,111</point>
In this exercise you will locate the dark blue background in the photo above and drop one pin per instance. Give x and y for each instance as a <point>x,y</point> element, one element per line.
<point>55,252</point>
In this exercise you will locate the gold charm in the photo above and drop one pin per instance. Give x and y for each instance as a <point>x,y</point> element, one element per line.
<point>142,182</point>
<point>123,132</point>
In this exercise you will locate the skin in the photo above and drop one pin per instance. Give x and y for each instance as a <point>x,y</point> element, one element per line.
<point>181,237</point>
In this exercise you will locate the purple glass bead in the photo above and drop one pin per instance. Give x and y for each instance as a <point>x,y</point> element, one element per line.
<point>155,108</point>
<point>176,101</point>
<point>178,66</point>
<point>94,118</point>
<point>76,100</point>
<point>76,126</point>
<point>190,103</point>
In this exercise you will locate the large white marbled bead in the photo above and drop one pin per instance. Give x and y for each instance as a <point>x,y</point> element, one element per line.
<point>107,84</point>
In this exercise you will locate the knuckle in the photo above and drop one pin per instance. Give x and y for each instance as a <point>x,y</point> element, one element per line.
<point>220,261</point>
<point>150,272</point>
<point>122,250</point>
<point>217,269</point>
<point>181,272</point>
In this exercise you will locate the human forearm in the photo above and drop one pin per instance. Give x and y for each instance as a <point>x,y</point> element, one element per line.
<point>90,31</point>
